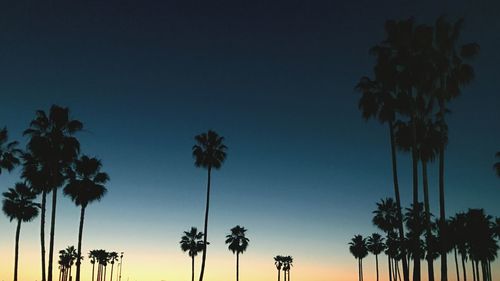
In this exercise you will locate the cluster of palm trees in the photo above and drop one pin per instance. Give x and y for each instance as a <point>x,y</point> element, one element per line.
<point>283,263</point>
<point>419,69</point>
<point>192,242</point>
<point>67,258</point>
<point>472,235</point>
<point>103,258</point>
<point>50,161</point>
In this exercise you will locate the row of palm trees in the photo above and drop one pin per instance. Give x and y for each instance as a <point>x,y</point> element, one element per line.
<point>50,161</point>
<point>192,243</point>
<point>473,235</point>
<point>103,258</point>
<point>419,69</point>
<point>283,263</point>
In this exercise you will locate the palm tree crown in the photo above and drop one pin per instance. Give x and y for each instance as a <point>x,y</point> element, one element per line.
<point>18,203</point>
<point>209,150</point>
<point>357,247</point>
<point>375,244</point>
<point>8,152</point>
<point>237,241</point>
<point>192,242</point>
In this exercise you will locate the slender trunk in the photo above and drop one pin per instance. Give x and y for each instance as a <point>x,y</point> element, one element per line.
<point>489,271</point>
<point>473,271</point>
<point>42,231</point>
<point>237,265</point>
<point>69,273</point>
<point>111,276</point>
<point>483,269</point>
<point>359,269</point>
<point>16,254</point>
<point>52,233</point>
<point>204,254</point>
<point>105,267</point>
<point>477,271</point>
<point>463,268</point>
<point>397,270</point>
<point>361,264</point>
<point>288,275</point>
<point>389,262</point>
<point>284,273</point>
<point>60,274</point>
<point>398,199</point>
<point>456,263</point>
<point>192,268</point>
<point>279,275</point>
<point>79,250</point>
<point>442,215</point>
<point>430,262</point>
<point>376,264</point>
<point>93,265</point>
<point>416,254</point>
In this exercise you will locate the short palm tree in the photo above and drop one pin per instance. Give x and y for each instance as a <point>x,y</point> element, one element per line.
<point>86,185</point>
<point>238,244</point>
<point>375,245</point>
<point>209,152</point>
<point>112,257</point>
<point>278,262</point>
<point>9,154</point>
<point>53,148</point>
<point>18,205</point>
<point>192,243</point>
<point>359,250</point>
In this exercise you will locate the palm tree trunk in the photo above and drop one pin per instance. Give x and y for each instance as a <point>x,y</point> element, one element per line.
<point>69,273</point>
<point>105,267</point>
<point>16,254</point>
<point>397,270</point>
<point>279,275</point>
<point>204,255</point>
<point>473,271</point>
<point>456,263</point>
<point>237,265</point>
<point>389,262</point>
<point>192,268</point>
<point>463,268</point>
<point>477,271</point>
<point>284,273</point>
<point>406,274</point>
<point>442,215</point>
<point>111,277</point>
<point>79,250</point>
<point>430,262</point>
<point>376,264</point>
<point>416,254</point>
<point>483,268</point>
<point>93,265</point>
<point>361,263</point>
<point>42,231</point>
<point>52,233</point>
<point>359,270</point>
<point>288,275</point>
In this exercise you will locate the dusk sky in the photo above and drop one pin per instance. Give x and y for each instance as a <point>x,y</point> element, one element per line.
<point>276,79</point>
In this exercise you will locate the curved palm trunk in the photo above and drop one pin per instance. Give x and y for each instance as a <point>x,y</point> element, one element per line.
<point>416,254</point>
<point>42,232</point>
<point>16,254</point>
<point>463,268</point>
<point>442,214</point>
<point>52,233</point>
<point>204,255</point>
<point>406,274</point>
<point>192,268</point>
<point>79,250</point>
<point>430,262</point>
<point>456,263</point>
<point>237,265</point>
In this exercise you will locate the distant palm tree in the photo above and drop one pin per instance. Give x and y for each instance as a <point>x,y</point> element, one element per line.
<point>238,244</point>
<point>9,154</point>
<point>385,216</point>
<point>287,265</point>
<point>112,257</point>
<point>67,258</point>
<point>359,250</point>
<point>278,262</point>
<point>53,148</point>
<point>209,152</point>
<point>85,185</point>
<point>102,262</point>
<point>192,243</point>
<point>93,255</point>
<point>375,245</point>
<point>18,205</point>
<point>497,164</point>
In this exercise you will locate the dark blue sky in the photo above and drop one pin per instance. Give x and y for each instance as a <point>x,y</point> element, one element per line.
<point>276,79</point>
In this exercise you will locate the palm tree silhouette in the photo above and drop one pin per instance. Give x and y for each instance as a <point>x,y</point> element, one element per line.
<point>53,148</point>
<point>287,265</point>
<point>497,164</point>
<point>358,249</point>
<point>9,154</point>
<point>112,257</point>
<point>93,255</point>
<point>238,244</point>
<point>85,185</point>
<point>278,262</point>
<point>209,152</point>
<point>18,205</point>
<point>67,258</point>
<point>192,243</point>
<point>375,245</point>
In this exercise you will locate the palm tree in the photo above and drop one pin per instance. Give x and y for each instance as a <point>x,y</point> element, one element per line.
<point>93,255</point>
<point>238,244</point>
<point>358,249</point>
<point>209,152</point>
<point>18,205</point>
<point>112,257</point>
<point>67,258</point>
<point>9,154</point>
<point>278,262</point>
<point>497,164</point>
<point>85,185</point>
<point>453,73</point>
<point>287,265</point>
<point>52,148</point>
<point>375,245</point>
<point>192,243</point>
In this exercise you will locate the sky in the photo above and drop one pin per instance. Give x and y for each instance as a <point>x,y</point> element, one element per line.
<point>276,79</point>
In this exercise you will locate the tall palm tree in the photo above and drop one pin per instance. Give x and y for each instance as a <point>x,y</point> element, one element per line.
<point>358,249</point>
<point>192,243</point>
<point>112,257</point>
<point>287,265</point>
<point>18,205</point>
<point>85,185</point>
<point>238,244</point>
<point>453,74</point>
<point>9,154</point>
<point>209,152</point>
<point>375,245</point>
<point>278,262</point>
<point>497,164</point>
<point>53,148</point>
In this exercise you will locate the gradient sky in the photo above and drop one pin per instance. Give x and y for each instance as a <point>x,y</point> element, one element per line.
<point>276,79</point>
